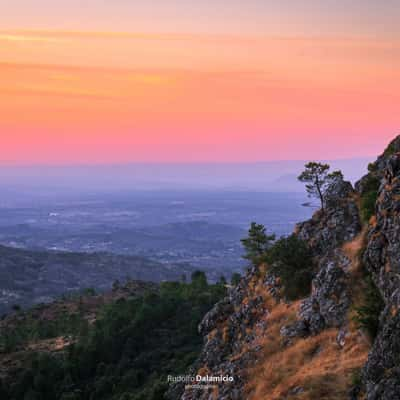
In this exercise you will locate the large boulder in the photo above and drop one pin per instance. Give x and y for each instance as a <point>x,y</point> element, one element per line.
<point>329,302</point>
<point>338,223</point>
<point>378,168</point>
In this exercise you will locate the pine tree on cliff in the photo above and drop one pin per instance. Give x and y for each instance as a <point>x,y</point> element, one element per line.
<point>317,178</point>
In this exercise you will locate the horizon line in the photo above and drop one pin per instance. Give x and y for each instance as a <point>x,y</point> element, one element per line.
<point>177,163</point>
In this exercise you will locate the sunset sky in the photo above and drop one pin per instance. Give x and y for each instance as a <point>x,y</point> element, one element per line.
<point>101,81</point>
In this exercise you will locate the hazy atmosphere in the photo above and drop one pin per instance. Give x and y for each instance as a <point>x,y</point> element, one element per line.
<point>199,200</point>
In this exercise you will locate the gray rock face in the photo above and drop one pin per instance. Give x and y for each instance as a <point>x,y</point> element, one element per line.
<point>215,316</point>
<point>228,327</point>
<point>377,169</point>
<point>232,322</point>
<point>337,191</point>
<point>382,371</point>
<point>340,222</point>
<point>330,290</point>
<point>298,329</point>
<point>382,258</point>
<point>325,233</point>
<point>329,301</point>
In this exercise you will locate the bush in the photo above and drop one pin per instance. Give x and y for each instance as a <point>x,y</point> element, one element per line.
<point>369,197</point>
<point>291,260</point>
<point>367,315</point>
<point>368,203</point>
<point>372,167</point>
<point>235,279</point>
<point>257,243</point>
<point>371,184</point>
<point>391,149</point>
<point>199,279</point>
<point>356,378</point>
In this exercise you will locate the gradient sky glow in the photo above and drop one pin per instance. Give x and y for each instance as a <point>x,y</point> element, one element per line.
<point>100,81</point>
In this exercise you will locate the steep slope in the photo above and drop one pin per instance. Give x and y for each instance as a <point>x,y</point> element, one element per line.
<point>319,347</point>
<point>381,375</point>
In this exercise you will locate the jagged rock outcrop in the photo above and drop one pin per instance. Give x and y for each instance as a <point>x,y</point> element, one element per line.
<point>378,168</point>
<point>339,223</point>
<point>381,375</point>
<point>330,298</point>
<point>232,328</point>
<point>325,233</point>
<point>235,328</point>
<point>229,328</point>
<point>329,301</point>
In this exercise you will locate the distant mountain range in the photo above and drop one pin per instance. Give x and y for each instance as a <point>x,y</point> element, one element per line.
<point>260,176</point>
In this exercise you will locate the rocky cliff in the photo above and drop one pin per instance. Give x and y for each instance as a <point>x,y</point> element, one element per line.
<point>316,347</point>
<point>381,375</point>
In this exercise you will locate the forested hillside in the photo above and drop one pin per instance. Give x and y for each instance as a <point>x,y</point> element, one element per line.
<point>121,345</point>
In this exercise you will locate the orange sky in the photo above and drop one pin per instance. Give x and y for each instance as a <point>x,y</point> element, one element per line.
<point>76,96</point>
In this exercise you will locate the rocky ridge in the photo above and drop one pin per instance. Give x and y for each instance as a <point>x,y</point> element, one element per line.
<point>312,348</point>
<point>381,375</point>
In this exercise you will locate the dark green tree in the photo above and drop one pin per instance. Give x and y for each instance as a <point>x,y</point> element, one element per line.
<point>291,260</point>
<point>116,285</point>
<point>222,280</point>
<point>235,279</point>
<point>257,243</point>
<point>16,307</point>
<point>317,178</point>
<point>368,313</point>
<point>199,280</point>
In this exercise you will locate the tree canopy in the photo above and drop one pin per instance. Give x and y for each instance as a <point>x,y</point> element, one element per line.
<point>257,243</point>
<point>317,178</point>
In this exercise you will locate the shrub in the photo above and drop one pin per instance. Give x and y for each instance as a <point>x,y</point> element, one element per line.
<point>371,183</point>
<point>391,149</point>
<point>356,379</point>
<point>199,279</point>
<point>372,167</point>
<point>367,207</point>
<point>235,279</point>
<point>367,315</point>
<point>257,243</point>
<point>369,197</point>
<point>291,260</point>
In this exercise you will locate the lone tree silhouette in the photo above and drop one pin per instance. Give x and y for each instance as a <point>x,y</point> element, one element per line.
<point>317,178</point>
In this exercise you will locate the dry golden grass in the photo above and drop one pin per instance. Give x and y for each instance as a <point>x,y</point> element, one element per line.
<point>225,334</point>
<point>317,364</point>
<point>51,345</point>
<point>212,334</point>
<point>352,250</point>
<point>203,371</point>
